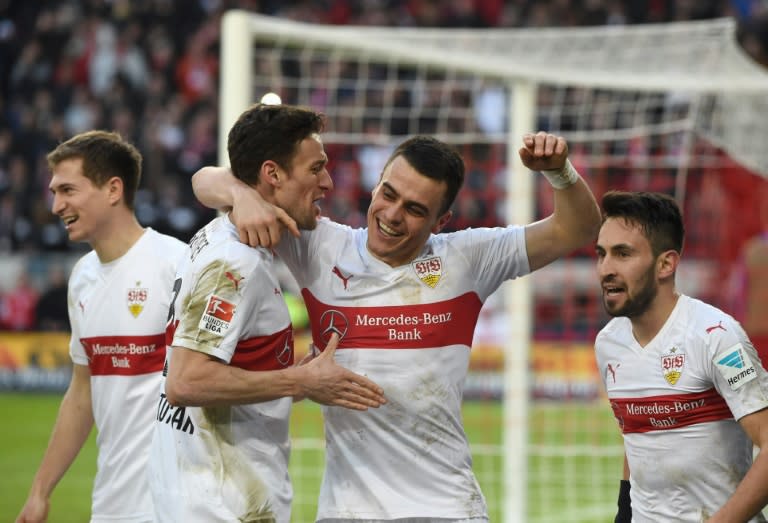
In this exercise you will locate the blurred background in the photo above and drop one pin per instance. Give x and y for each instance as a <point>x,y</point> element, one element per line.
<point>149,69</point>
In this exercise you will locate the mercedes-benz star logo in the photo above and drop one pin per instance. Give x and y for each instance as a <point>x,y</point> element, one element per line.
<point>285,353</point>
<point>333,321</point>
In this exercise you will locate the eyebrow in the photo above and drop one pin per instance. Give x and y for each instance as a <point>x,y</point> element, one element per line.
<point>408,203</point>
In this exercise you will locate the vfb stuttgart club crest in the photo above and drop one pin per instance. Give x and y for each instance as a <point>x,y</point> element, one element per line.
<point>672,365</point>
<point>137,297</point>
<point>429,271</point>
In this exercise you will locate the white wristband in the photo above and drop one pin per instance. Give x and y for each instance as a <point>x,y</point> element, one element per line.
<point>563,177</point>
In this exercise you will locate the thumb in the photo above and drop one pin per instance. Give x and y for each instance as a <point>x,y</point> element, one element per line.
<point>287,221</point>
<point>330,349</point>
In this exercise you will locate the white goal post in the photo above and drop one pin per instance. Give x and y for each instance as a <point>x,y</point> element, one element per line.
<point>642,98</point>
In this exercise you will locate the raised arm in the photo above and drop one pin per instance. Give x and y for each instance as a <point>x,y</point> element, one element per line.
<point>73,424</point>
<point>752,493</point>
<point>576,218</point>
<point>197,379</point>
<point>258,222</point>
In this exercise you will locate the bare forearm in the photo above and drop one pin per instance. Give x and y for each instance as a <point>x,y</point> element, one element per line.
<point>750,496</point>
<point>195,380</point>
<point>577,215</point>
<point>71,430</point>
<point>573,224</point>
<point>214,187</point>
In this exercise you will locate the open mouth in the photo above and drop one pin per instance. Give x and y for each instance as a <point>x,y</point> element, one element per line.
<point>388,231</point>
<point>613,290</point>
<point>69,220</point>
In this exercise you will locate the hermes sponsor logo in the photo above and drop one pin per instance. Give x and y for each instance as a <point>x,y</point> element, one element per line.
<point>735,366</point>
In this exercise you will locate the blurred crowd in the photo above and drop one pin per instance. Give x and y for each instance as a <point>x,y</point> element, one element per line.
<point>149,70</point>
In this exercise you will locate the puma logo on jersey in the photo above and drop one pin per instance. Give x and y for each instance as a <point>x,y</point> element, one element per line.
<point>344,279</point>
<point>82,306</point>
<point>714,327</point>
<point>234,278</point>
<point>610,369</point>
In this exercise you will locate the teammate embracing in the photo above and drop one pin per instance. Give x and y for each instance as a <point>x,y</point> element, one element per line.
<point>684,381</point>
<point>405,301</point>
<point>221,446</point>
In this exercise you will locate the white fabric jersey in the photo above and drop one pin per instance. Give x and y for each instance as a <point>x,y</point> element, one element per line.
<point>225,463</point>
<point>409,329</point>
<point>118,313</point>
<point>677,401</point>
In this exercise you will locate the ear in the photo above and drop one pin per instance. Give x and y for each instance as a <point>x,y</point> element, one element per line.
<point>667,263</point>
<point>115,190</point>
<point>442,221</point>
<point>270,173</point>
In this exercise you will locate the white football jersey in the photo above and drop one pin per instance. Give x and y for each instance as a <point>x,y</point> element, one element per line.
<point>118,313</point>
<point>410,330</point>
<point>677,401</point>
<point>225,463</point>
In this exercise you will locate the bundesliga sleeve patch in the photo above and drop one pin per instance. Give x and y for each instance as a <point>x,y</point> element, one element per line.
<point>217,316</point>
<point>735,366</point>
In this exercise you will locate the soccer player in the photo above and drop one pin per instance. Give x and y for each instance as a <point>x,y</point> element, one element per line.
<point>221,443</point>
<point>404,300</point>
<point>683,379</point>
<point>119,294</point>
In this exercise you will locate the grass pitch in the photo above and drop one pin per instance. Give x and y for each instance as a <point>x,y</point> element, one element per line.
<point>574,461</point>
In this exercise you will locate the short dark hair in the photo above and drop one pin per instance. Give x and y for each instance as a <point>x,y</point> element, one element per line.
<point>269,132</point>
<point>105,154</point>
<point>434,159</point>
<point>657,214</point>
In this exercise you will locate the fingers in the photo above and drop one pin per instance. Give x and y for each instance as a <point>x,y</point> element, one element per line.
<point>358,397</point>
<point>287,222</point>
<point>543,144</point>
<point>330,348</point>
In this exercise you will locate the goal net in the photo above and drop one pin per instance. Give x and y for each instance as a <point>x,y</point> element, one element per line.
<point>675,108</point>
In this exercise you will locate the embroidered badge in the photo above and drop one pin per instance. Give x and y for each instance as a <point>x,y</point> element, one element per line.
<point>137,297</point>
<point>429,271</point>
<point>672,365</point>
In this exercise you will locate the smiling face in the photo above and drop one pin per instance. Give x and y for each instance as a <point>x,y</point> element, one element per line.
<point>305,185</point>
<point>84,208</point>
<point>626,267</point>
<point>403,213</point>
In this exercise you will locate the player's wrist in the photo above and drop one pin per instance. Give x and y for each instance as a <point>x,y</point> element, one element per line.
<point>624,515</point>
<point>562,178</point>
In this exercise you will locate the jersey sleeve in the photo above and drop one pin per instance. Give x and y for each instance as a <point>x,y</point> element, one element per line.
<point>498,254</point>
<point>224,294</point>
<point>76,350</point>
<point>736,370</point>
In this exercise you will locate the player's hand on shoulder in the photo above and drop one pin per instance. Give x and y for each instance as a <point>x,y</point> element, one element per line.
<point>329,383</point>
<point>259,223</point>
<point>543,151</point>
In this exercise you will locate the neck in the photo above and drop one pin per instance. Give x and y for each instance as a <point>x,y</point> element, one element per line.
<point>116,239</point>
<point>646,326</point>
